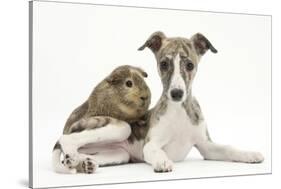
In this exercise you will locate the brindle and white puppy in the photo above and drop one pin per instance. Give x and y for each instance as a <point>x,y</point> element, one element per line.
<point>176,123</point>
<point>169,130</point>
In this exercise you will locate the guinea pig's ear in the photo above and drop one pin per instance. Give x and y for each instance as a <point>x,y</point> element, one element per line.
<point>113,79</point>
<point>202,44</point>
<point>154,42</point>
<point>142,72</point>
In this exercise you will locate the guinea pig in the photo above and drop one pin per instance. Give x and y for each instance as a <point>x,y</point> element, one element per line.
<point>123,95</point>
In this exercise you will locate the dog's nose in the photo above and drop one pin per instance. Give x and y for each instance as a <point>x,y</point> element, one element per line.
<point>177,94</point>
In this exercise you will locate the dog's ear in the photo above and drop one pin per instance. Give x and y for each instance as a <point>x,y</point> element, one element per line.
<point>202,44</point>
<point>154,42</point>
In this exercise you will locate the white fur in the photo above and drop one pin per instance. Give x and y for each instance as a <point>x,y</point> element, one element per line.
<point>112,156</point>
<point>58,166</point>
<point>108,144</point>
<point>172,137</point>
<point>109,134</point>
<point>136,150</point>
<point>133,149</point>
<point>177,82</point>
<point>212,151</point>
<point>70,143</point>
<point>107,155</point>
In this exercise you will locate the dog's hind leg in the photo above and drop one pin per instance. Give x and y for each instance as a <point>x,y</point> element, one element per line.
<point>91,130</point>
<point>89,163</point>
<point>212,151</point>
<point>112,157</point>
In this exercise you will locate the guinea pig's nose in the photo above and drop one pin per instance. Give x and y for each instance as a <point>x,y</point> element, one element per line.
<point>143,98</point>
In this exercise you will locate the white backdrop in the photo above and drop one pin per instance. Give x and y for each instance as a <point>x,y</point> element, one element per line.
<point>14,85</point>
<point>76,46</point>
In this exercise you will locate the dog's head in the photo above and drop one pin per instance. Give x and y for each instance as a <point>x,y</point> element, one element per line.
<point>177,61</point>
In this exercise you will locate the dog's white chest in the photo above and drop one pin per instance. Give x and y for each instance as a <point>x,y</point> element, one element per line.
<point>177,132</point>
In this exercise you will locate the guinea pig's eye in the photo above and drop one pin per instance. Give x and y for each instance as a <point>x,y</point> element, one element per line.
<point>129,83</point>
<point>164,65</point>
<point>189,66</point>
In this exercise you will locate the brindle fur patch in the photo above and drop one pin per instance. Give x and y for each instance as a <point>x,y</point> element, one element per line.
<point>90,123</point>
<point>57,146</point>
<point>139,128</point>
<point>193,111</point>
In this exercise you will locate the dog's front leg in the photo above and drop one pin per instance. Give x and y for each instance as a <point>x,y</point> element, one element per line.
<point>154,155</point>
<point>212,151</point>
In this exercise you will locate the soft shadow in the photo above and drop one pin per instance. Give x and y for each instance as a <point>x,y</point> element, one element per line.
<point>23,182</point>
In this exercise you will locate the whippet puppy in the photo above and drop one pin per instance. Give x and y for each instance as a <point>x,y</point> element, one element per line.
<point>176,123</point>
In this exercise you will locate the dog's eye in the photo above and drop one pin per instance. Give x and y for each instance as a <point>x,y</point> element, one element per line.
<point>129,83</point>
<point>164,65</point>
<point>189,66</point>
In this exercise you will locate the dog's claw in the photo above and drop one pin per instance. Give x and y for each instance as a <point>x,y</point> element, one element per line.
<point>70,161</point>
<point>163,166</point>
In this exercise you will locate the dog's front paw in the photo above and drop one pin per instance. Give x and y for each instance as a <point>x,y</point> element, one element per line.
<point>71,160</point>
<point>163,166</point>
<point>88,166</point>
<point>251,157</point>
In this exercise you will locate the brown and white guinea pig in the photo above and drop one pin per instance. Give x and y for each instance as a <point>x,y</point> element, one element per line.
<point>123,95</point>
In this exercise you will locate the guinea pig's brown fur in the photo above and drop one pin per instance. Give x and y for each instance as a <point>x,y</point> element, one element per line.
<point>123,95</point>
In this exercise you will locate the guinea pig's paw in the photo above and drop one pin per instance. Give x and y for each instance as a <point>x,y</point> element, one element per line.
<point>251,157</point>
<point>71,160</point>
<point>88,166</point>
<point>163,166</point>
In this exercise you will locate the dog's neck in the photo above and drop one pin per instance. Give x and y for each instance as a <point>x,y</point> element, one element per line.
<point>190,106</point>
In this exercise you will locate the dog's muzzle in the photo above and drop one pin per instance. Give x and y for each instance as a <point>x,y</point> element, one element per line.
<point>176,94</point>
